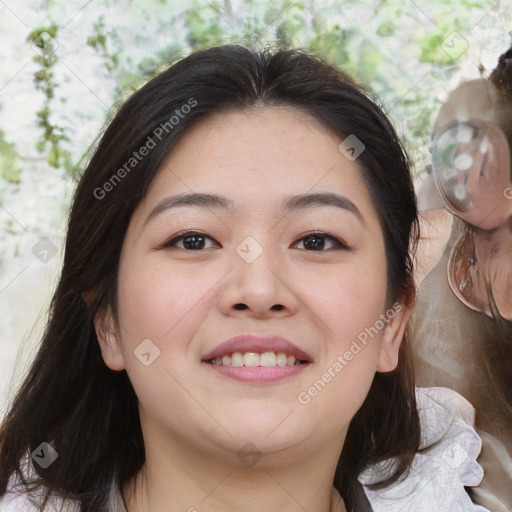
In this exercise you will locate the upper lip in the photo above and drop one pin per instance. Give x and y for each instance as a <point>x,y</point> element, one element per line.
<point>257,343</point>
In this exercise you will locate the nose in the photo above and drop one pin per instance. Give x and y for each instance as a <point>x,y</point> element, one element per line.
<point>259,289</point>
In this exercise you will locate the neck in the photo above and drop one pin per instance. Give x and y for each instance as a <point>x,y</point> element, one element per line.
<point>178,478</point>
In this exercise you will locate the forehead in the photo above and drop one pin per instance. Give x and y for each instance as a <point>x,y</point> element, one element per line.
<point>257,157</point>
<point>255,140</point>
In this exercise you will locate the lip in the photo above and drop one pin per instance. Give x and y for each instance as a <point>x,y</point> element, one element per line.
<point>257,343</point>
<point>257,374</point>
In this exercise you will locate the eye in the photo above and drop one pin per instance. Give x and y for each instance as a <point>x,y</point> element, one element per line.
<point>197,241</point>
<point>190,241</point>
<point>317,242</point>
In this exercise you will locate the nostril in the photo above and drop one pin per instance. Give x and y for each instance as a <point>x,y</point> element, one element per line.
<point>240,306</point>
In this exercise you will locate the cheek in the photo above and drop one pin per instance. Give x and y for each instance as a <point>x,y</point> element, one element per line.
<point>348,299</point>
<point>154,299</point>
<point>163,304</point>
<point>349,302</point>
<point>339,386</point>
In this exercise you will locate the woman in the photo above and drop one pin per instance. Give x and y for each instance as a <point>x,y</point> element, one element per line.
<point>227,333</point>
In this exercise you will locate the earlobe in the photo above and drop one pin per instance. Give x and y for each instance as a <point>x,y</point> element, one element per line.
<point>109,339</point>
<point>393,335</point>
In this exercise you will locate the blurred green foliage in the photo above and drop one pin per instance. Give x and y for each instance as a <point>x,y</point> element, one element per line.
<point>386,44</point>
<point>10,161</point>
<point>44,41</point>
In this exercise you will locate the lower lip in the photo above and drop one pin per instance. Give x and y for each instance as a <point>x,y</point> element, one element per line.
<point>258,373</point>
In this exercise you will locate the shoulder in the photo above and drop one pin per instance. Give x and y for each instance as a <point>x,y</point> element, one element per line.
<point>17,500</point>
<point>13,501</point>
<point>445,466</point>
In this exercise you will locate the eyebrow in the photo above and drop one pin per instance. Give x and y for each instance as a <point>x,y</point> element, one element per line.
<point>292,203</point>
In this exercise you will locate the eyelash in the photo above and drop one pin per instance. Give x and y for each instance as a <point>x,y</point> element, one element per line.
<point>338,244</point>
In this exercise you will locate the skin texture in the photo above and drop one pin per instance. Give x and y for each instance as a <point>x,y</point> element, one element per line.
<point>196,421</point>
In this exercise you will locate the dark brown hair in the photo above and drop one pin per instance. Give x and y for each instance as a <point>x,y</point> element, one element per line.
<point>88,412</point>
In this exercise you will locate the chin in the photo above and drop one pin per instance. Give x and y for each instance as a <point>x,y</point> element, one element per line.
<point>270,434</point>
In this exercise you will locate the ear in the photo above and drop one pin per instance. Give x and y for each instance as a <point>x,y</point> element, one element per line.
<point>109,339</point>
<point>393,333</point>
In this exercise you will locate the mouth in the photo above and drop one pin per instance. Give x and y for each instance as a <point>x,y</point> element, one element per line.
<point>256,358</point>
<point>265,359</point>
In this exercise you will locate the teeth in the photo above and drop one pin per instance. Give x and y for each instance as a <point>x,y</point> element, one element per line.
<point>237,359</point>
<point>281,359</point>
<point>267,359</point>
<point>251,359</point>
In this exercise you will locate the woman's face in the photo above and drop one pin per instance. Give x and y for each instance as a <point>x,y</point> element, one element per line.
<point>278,238</point>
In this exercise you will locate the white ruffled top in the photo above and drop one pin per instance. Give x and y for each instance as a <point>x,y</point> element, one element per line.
<point>437,477</point>
<point>435,481</point>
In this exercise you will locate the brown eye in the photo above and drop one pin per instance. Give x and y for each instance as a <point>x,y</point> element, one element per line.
<point>190,241</point>
<point>321,242</point>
